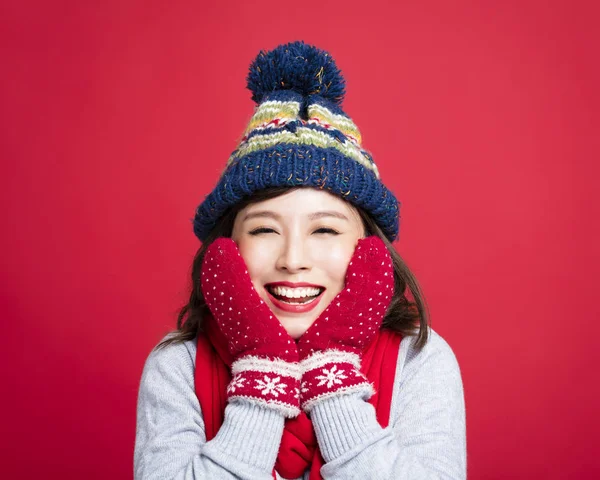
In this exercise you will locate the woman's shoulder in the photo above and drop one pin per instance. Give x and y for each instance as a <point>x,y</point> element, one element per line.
<point>435,356</point>
<point>179,356</point>
<point>427,384</point>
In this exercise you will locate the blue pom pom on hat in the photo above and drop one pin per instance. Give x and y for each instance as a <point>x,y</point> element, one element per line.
<point>299,136</point>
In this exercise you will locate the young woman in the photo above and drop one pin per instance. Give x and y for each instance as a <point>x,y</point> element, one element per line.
<point>304,351</point>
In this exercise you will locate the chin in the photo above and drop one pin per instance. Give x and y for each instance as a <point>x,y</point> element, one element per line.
<point>296,329</point>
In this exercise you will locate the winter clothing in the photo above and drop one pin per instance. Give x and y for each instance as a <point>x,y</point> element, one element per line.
<point>299,136</point>
<point>425,439</point>
<point>299,449</point>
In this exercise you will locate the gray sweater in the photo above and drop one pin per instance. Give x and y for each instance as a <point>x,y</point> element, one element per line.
<point>426,437</point>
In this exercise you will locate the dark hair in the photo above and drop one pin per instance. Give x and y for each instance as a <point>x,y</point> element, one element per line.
<point>402,315</point>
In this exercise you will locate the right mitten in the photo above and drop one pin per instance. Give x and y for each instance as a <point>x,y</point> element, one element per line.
<point>265,370</point>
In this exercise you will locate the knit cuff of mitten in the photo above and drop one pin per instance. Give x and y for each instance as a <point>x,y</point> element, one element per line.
<point>332,373</point>
<point>270,383</point>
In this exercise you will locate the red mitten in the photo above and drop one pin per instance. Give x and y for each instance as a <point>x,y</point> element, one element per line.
<point>331,348</point>
<point>265,369</point>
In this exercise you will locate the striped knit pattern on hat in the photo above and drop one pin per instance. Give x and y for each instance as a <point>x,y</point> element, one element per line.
<point>299,136</point>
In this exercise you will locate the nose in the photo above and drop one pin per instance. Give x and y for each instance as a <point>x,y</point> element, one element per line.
<point>293,257</point>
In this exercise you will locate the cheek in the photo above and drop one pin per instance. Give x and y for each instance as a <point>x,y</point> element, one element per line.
<point>257,261</point>
<point>334,259</point>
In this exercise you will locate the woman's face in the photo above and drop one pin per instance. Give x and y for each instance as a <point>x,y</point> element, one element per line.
<point>297,248</point>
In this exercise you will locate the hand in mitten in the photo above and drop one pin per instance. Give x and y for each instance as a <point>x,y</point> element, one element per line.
<point>265,369</point>
<point>330,350</point>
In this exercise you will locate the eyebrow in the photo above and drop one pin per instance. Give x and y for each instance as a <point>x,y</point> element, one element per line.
<point>312,216</point>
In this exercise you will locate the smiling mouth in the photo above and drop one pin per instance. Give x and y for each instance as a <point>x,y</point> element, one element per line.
<point>295,296</point>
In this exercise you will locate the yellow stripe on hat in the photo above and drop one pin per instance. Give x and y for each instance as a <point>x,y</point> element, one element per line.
<point>340,122</point>
<point>270,110</point>
<point>303,136</point>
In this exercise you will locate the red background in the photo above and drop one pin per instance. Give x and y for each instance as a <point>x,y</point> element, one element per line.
<point>117,118</point>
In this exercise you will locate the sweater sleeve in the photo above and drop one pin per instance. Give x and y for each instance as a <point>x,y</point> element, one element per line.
<point>426,438</point>
<point>170,440</point>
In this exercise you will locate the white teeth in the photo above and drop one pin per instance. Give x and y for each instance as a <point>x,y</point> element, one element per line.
<point>295,292</point>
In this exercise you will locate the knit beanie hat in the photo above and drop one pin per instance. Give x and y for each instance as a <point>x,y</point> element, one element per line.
<point>299,136</point>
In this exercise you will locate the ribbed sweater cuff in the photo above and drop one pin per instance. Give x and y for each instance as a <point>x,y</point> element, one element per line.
<point>251,434</point>
<point>342,423</point>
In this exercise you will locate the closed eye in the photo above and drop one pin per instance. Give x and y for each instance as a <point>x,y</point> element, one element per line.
<point>327,231</point>
<point>258,231</point>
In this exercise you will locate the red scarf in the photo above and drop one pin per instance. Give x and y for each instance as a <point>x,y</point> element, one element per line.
<point>298,449</point>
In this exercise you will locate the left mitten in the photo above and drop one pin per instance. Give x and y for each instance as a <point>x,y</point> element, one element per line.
<point>265,369</point>
<point>331,349</point>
